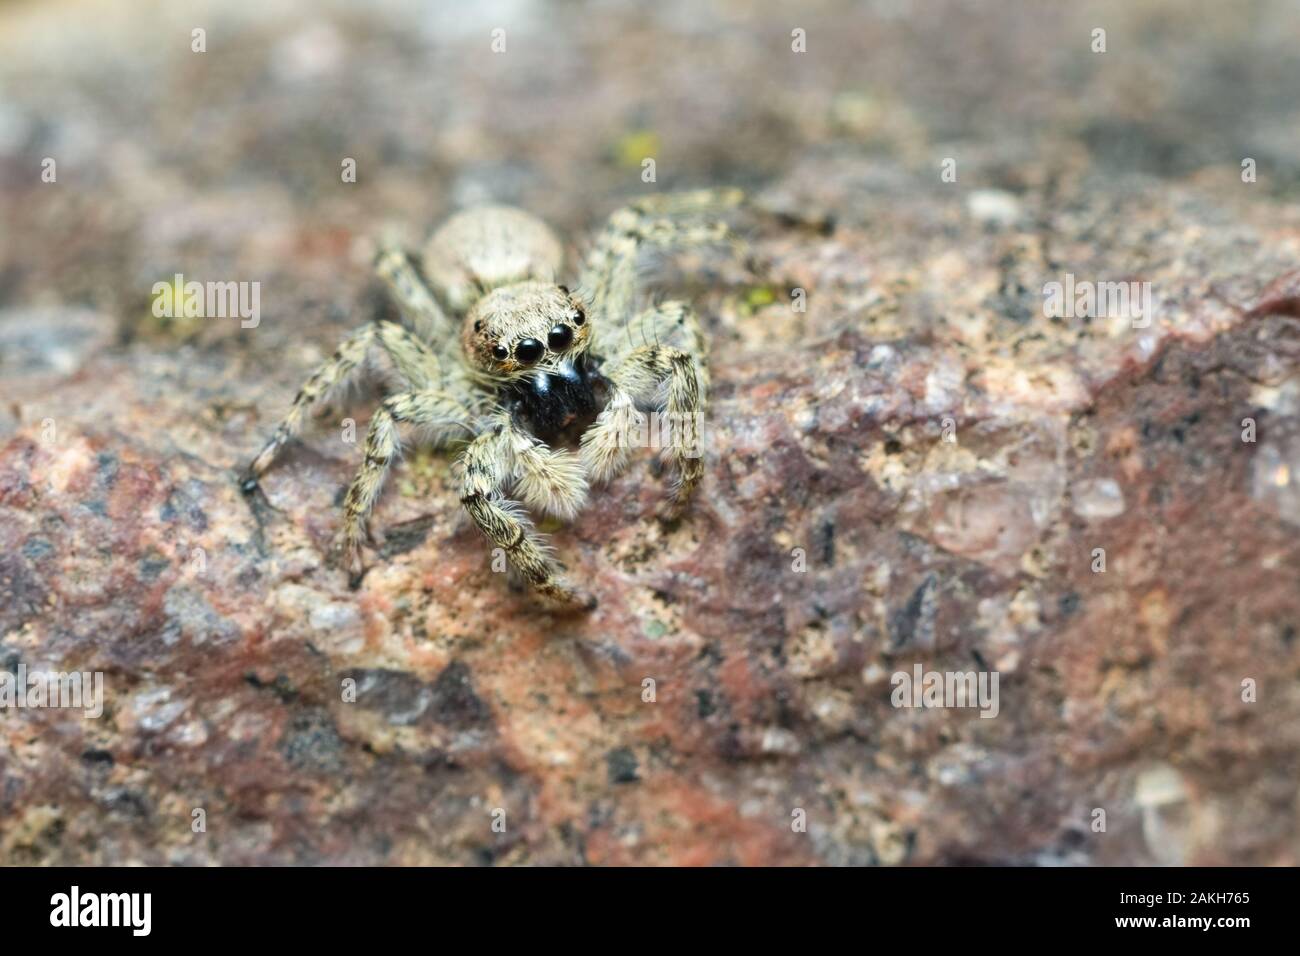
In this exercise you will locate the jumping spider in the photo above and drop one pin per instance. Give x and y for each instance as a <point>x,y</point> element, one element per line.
<point>535,371</point>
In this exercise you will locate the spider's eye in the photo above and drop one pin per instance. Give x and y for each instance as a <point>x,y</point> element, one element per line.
<point>478,326</point>
<point>500,352</point>
<point>559,338</point>
<point>579,317</point>
<point>528,351</point>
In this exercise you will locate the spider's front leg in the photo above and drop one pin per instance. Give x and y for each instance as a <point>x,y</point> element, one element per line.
<point>638,380</point>
<point>414,361</point>
<point>438,412</point>
<point>486,466</point>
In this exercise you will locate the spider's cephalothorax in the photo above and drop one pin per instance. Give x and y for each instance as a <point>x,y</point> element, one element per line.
<point>542,385</point>
<point>531,341</point>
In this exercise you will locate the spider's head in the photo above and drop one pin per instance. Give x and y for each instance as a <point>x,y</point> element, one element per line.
<point>517,330</point>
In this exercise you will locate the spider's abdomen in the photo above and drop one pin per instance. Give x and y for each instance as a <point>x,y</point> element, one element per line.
<point>486,247</point>
<point>558,405</point>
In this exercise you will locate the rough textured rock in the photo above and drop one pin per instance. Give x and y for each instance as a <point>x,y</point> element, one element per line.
<point>940,458</point>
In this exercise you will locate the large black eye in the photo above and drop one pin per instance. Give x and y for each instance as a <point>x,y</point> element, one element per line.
<point>579,317</point>
<point>528,351</point>
<point>559,338</point>
<point>500,352</point>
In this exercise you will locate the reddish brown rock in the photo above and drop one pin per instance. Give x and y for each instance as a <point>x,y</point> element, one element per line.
<point>918,469</point>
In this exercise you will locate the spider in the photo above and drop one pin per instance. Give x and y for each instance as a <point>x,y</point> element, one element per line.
<point>543,387</point>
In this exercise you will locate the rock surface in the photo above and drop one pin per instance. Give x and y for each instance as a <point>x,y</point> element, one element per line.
<point>920,467</point>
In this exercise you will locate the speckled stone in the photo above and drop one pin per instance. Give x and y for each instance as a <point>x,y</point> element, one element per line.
<point>920,467</point>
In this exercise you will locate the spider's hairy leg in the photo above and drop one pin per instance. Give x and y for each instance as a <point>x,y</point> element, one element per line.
<point>672,220</point>
<point>485,467</point>
<point>414,361</point>
<point>431,409</point>
<point>673,324</point>
<point>685,203</point>
<point>413,296</point>
<point>670,326</point>
<point>639,378</point>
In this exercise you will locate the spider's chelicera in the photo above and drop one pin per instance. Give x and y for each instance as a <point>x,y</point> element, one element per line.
<point>543,386</point>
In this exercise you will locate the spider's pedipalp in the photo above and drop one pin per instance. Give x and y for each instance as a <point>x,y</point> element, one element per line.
<point>484,467</point>
<point>607,443</point>
<point>413,361</point>
<point>549,480</point>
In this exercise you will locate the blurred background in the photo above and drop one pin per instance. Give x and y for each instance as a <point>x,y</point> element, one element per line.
<point>235,154</point>
<point>1121,691</point>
